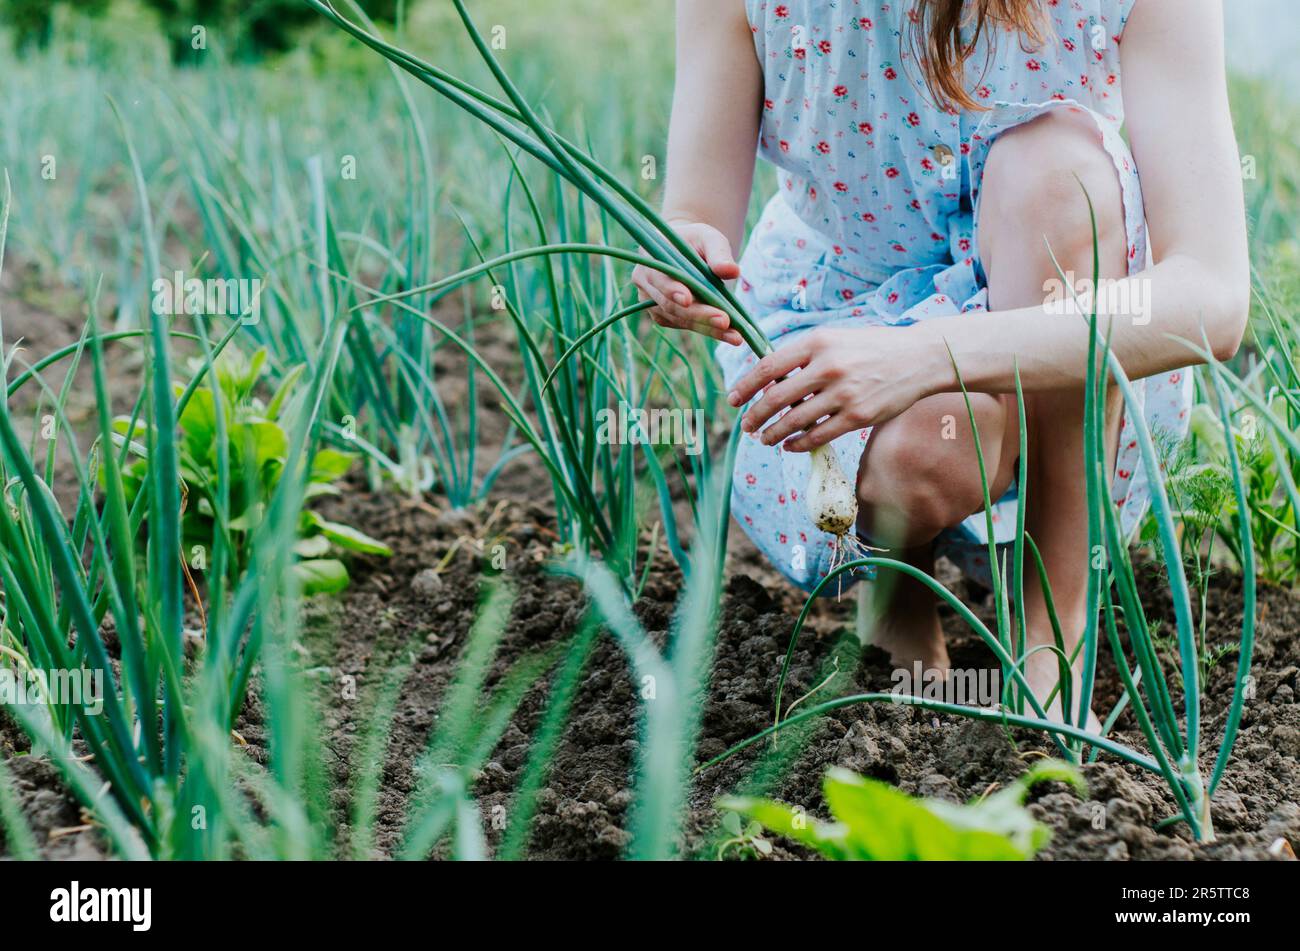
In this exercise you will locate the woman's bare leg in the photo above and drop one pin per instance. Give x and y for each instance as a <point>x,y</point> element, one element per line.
<point>918,476</point>
<point>1030,192</point>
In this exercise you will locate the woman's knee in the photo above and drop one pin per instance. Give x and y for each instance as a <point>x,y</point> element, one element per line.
<point>920,474</point>
<point>1033,189</point>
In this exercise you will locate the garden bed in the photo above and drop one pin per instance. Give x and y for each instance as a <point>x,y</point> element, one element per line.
<point>415,610</point>
<point>395,613</point>
<point>582,811</point>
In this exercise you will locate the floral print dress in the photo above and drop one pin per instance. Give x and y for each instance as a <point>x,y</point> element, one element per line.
<point>874,221</point>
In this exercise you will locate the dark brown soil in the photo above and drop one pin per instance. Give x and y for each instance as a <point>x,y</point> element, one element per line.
<point>583,810</point>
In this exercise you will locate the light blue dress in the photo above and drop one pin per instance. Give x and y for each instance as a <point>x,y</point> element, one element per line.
<point>874,221</point>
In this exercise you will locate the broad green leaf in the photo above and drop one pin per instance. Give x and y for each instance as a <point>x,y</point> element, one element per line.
<point>255,364</point>
<point>876,822</point>
<point>249,520</point>
<point>139,435</point>
<point>313,546</point>
<point>321,575</point>
<point>347,537</point>
<point>316,490</point>
<point>330,465</point>
<point>198,425</point>
<point>268,442</point>
<point>1003,816</point>
<point>882,823</point>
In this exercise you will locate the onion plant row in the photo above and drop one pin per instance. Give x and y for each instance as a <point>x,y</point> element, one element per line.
<point>829,495</point>
<point>160,774</point>
<point>165,776</point>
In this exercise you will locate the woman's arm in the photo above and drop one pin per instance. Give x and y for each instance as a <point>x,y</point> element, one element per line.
<point>717,102</point>
<point>1180,131</point>
<point>1180,128</point>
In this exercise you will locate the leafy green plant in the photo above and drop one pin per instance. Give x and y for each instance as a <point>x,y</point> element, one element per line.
<point>744,839</point>
<point>1263,429</point>
<point>251,434</point>
<point>875,822</point>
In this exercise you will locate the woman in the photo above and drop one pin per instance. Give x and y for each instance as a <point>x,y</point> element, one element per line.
<point>929,153</point>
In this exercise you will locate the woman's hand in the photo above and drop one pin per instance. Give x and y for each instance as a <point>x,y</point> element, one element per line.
<point>675,304</point>
<point>839,380</point>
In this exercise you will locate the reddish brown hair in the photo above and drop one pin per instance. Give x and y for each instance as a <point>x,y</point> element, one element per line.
<point>936,39</point>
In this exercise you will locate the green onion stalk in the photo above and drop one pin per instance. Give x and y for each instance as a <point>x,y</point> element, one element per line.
<point>830,496</point>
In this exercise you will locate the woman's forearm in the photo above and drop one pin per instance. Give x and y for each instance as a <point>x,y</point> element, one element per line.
<point>716,107</point>
<point>712,139</point>
<point>1151,314</point>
